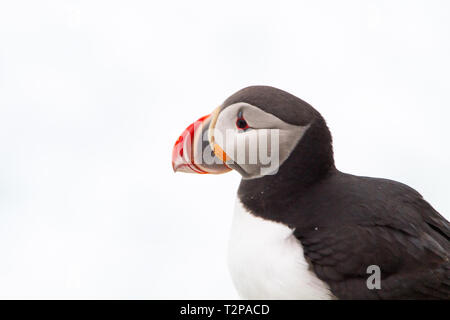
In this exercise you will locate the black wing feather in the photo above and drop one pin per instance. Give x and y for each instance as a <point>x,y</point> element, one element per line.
<point>396,230</point>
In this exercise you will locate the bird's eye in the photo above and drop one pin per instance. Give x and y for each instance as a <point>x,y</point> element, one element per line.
<point>241,124</point>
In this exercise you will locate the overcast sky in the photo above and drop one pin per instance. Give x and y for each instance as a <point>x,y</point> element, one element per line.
<point>93,94</point>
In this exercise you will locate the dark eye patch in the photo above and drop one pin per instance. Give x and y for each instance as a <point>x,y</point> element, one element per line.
<point>241,124</point>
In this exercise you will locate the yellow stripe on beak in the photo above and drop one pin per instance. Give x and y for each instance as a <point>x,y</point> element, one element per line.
<point>218,151</point>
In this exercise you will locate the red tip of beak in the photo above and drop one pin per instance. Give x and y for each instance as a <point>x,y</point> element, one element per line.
<point>182,153</point>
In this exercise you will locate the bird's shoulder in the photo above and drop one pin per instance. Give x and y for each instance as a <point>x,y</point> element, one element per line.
<point>346,200</point>
<point>351,222</point>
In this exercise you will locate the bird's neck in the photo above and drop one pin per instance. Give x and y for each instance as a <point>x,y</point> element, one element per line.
<point>310,162</point>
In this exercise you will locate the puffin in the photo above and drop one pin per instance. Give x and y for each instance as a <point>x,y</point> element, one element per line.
<point>301,228</point>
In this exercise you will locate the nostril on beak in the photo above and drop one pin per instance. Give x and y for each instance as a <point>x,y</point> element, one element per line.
<point>189,150</point>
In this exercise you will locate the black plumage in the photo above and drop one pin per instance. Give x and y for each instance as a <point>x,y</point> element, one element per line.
<point>345,222</point>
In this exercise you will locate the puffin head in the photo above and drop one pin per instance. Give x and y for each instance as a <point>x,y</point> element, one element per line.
<point>256,131</point>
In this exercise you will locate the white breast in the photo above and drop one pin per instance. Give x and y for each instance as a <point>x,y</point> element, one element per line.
<point>266,261</point>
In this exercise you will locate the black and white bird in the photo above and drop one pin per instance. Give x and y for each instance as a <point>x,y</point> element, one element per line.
<point>303,229</point>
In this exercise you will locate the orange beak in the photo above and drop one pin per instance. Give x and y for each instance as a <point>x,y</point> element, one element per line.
<point>192,152</point>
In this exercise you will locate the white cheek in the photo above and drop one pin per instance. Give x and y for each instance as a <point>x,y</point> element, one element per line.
<point>261,149</point>
<point>242,147</point>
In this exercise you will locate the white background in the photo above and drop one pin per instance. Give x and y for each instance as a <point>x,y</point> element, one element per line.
<point>93,94</point>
